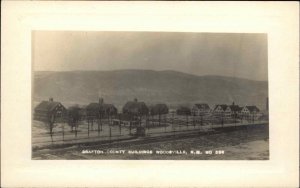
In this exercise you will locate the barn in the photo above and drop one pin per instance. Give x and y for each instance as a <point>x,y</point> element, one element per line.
<point>50,111</point>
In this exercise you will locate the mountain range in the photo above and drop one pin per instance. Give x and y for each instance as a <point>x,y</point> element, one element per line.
<point>170,87</point>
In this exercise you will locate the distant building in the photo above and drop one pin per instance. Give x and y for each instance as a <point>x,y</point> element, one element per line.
<point>250,112</point>
<point>100,110</point>
<point>49,111</point>
<point>233,110</point>
<point>200,109</point>
<point>220,109</point>
<point>135,108</point>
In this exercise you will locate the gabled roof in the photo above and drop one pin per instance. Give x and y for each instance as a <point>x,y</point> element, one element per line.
<point>135,107</point>
<point>252,108</point>
<point>98,106</point>
<point>48,106</point>
<point>202,106</point>
<point>223,106</point>
<point>235,108</point>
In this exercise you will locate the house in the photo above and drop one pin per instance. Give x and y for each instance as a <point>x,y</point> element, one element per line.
<point>220,109</point>
<point>100,110</point>
<point>250,112</point>
<point>50,111</point>
<point>200,109</point>
<point>135,108</point>
<point>233,110</point>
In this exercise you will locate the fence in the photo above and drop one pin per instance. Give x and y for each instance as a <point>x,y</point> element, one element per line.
<point>110,131</point>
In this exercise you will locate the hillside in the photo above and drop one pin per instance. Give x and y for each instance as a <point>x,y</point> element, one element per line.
<point>173,88</point>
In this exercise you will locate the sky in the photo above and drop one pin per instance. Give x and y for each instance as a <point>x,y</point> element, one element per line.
<point>225,54</point>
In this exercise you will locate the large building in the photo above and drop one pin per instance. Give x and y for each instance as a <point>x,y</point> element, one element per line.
<point>250,112</point>
<point>233,110</point>
<point>200,109</point>
<point>135,108</point>
<point>220,109</point>
<point>100,110</point>
<point>50,111</point>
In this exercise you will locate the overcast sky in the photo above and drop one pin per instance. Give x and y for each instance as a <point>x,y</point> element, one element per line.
<point>235,55</point>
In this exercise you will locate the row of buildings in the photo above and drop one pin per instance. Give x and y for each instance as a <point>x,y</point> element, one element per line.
<point>48,110</point>
<point>225,110</point>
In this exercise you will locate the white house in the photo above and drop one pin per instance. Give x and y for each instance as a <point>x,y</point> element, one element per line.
<point>250,112</point>
<point>233,110</point>
<point>220,109</point>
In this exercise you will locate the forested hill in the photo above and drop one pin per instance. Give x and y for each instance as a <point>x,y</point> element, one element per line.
<point>170,87</point>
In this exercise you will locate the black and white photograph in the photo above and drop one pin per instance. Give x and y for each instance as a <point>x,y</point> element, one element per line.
<point>126,95</point>
<point>149,94</point>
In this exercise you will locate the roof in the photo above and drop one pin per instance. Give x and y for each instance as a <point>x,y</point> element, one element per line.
<point>223,106</point>
<point>252,108</point>
<point>47,106</point>
<point>135,107</point>
<point>235,108</point>
<point>202,106</point>
<point>98,106</point>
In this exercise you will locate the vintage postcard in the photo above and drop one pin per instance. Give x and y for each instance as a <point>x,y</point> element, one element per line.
<point>150,95</point>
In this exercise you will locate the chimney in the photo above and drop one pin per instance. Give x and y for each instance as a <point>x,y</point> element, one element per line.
<point>51,99</point>
<point>100,100</point>
<point>135,100</point>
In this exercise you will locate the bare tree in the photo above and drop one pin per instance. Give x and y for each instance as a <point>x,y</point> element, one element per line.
<point>74,117</point>
<point>159,109</point>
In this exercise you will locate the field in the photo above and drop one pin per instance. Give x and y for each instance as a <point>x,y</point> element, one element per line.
<point>63,134</point>
<point>250,143</point>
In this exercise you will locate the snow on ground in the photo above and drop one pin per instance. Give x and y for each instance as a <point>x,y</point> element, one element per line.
<point>63,134</point>
<point>252,144</point>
